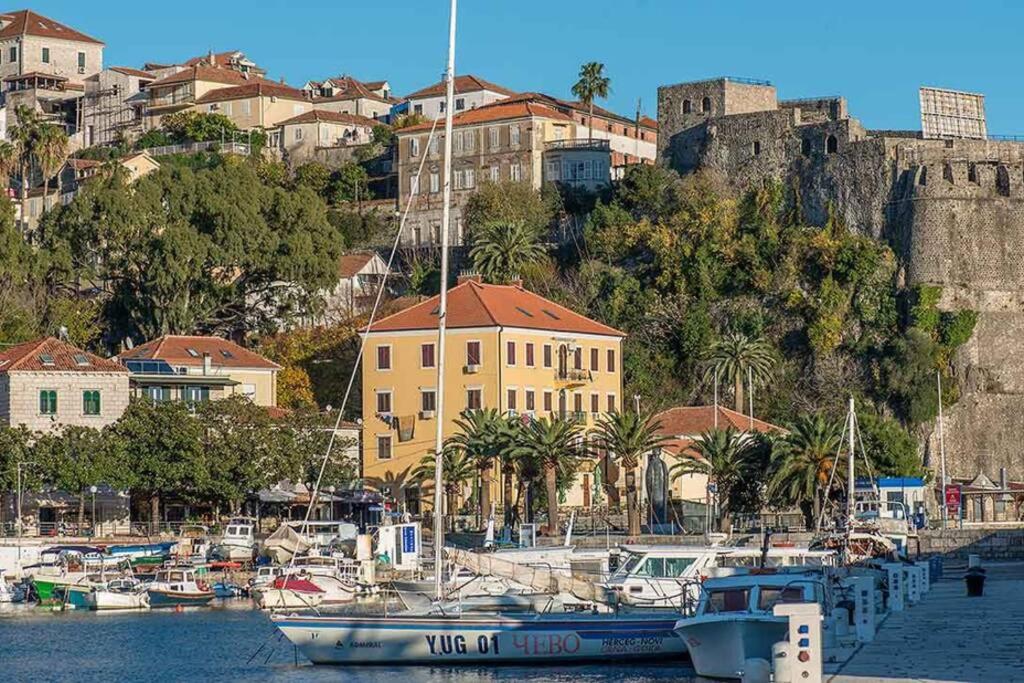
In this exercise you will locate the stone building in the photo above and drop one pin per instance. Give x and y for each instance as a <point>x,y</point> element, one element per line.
<point>298,138</point>
<point>953,209</point>
<point>48,384</point>
<point>347,95</point>
<point>470,92</point>
<point>114,105</point>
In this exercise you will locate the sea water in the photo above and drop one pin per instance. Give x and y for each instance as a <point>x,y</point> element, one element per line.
<point>230,641</point>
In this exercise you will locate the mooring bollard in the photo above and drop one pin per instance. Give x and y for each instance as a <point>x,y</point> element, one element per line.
<point>894,574</point>
<point>926,568</point>
<point>805,642</point>
<point>864,611</point>
<point>912,584</point>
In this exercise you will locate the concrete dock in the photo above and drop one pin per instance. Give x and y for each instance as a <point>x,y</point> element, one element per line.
<point>948,636</point>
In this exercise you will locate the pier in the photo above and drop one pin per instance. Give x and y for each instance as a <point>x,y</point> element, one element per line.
<point>948,636</point>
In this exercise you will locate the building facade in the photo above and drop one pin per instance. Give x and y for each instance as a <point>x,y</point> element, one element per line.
<point>114,105</point>
<point>262,104</point>
<point>470,92</point>
<point>195,369</point>
<point>298,137</point>
<point>347,95</point>
<point>47,384</point>
<point>507,349</point>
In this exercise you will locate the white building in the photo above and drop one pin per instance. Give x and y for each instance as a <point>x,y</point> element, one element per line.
<point>470,92</point>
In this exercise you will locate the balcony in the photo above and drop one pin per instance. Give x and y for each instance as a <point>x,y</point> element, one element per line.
<point>567,379</point>
<point>574,416</point>
<point>582,144</point>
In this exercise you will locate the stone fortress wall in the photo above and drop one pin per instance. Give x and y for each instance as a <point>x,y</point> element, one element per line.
<point>952,209</point>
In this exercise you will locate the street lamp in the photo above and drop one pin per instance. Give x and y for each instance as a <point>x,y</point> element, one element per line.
<point>93,489</point>
<point>19,467</point>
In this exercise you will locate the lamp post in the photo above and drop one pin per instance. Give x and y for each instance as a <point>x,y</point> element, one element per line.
<point>19,467</point>
<point>92,490</point>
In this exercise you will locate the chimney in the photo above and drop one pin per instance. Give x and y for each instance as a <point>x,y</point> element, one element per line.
<point>469,276</point>
<point>207,364</point>
<point>212,59</point>
<point>1003,482</point>
<point>283,82</point>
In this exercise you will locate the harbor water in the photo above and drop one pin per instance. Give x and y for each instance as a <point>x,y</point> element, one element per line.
<point>229,642</point>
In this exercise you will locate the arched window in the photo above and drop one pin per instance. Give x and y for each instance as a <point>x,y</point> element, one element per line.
<point>705,105</point>
<point>805,147</point>
<point>831,144</point>
<point>687,106</point>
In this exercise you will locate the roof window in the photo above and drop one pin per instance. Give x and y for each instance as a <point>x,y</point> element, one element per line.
<point>80,359</point>
<point>46,359</point>
<point>524,311</point>
<point>550,314</point>
<point>226,353</point>
<point>192,352</point>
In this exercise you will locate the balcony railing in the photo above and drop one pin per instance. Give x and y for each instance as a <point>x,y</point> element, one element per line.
<point>576,416</point>
<point>572,375</point>
<point>595,145</point>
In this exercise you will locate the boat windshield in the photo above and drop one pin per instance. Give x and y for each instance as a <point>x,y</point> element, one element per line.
<point>627,567</point>
<point>664,567</point>
<point>728,600</point>
<point>769,597</point>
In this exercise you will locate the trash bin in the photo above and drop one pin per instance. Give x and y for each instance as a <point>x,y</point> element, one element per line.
<point>975,580</point>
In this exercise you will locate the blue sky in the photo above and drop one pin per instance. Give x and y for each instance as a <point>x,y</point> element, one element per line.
<point>874,53</point>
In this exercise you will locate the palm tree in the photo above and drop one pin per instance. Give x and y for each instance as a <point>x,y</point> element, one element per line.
<point>592,83</point>
<point>501,250</point>
<point>480,435</point>
<point>457,469</point>
<point>724,459</point>
<point>627,437</point>
<point>8,162</point>
<point>555,445</point>
<point>803,464</point>
<point>733,356</point>
<point>51,152</point>
<point>25,135</point>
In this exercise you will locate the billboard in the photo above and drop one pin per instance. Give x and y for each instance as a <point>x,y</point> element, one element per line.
<point>952,114</point>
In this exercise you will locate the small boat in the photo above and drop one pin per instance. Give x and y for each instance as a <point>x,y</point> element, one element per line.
<point>143,551</point>
<point>10,593</point>
<point>478,638</point>
<point>337,577</point>
<point>289,592</point>
<point>226,589</point>
<point>119,594</point>
<point>178,586</point>
<point>239,541</point>
<point>735,620</point>
<point>193,542</point>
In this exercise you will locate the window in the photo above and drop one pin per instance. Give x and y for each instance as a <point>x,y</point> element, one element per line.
<point>469,140</point>
<point>48,402</point>
<point>474,399</point>
<point>805,147</point>
<point>529,355</point>
<point>577,402</point>
<point>298,131</point>
<point>577,358</point>
<point>547,400</point>
<point>515,172</point>
<point>611,360</point>
<point>595,403</point>
<point>495,172</point>
<point>157,394</point>
<point>460,104</point>
<point>81,60</point>
<point>611,403</point>
<point>510,353</point>
<point>14,54</point>
<point>493,135</point>
<point>414,147</point>
<point>554,170</point>
<point>457,144</point>
<point>383,357</point>
<point>435,182</point>
<point>384,402</point>
<point>687,106</point>
<point>768,597</point>
<point>594,354</point>
<point>433,144</point>
<point>513,136</point>
<point>414,185</point>
<point>705,105</point>
<point>91,402</point>
<point>246,110</point>
<point>428,400</point>
<point>473,353</point>
<point>512,395</point>
<point>531,404</point>
<point>547,355</point>
<point>196,394</point>
<point>831,144</point>
<point>417,109</point>
<point>470,178</point>
<point>383,446</point>
<point>441,106</point>
<point>756,147</point>
<point>457,180</point>
<point>427,356</point>
<point>728,600</point>
<point>46,55</point>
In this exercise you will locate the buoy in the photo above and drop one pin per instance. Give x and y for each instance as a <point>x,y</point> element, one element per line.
<point>179,608</point>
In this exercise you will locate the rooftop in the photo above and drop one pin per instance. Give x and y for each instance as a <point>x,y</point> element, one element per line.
<point>350,88</point>
<point>695,420</point>
<point>50,354</point>
<point>318,115</point>
<point>474,304</point>
<point>189,350</point>
<point>498,111</point>
<point>350,264</point>
<point>463,84</point>
<point>209,74</point>
<point>26,22</point>
<point>253,88</point>
<point>129,71</point>
<point>558,103</point>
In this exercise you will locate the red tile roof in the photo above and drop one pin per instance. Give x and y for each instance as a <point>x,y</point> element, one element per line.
<point>695,420</point>
<point>350,264</point>
<point>463,84</point>
<point>570,105</point>
<point>129,71</point>
<point>649,122</point>
<point>26,22</point>
<point>209,74</point>
<point>331,117</point>
<point>260,88</point>
<point>474,304</point>
<point>219,58</point>
<point>28,357</point>
<point>175,350</point>
<point>498,111</point>
<point>351,88</point>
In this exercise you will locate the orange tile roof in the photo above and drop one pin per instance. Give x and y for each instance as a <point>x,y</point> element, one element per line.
<point>350,88</point>
<point>28,357</point>
<point>690,421</point>
<point>219,59</point>
<point>210,74</point>
<point>463,84</point>
<point>581,108</point>
<point>474,304</point>
<point>317,115</point>
<point>129,71</point>
<point>260,88</point>
<point>175,350</point>
<point>26,22</point>
<point>649,122</point>
<point>498,111</point>
<point>350,264</point>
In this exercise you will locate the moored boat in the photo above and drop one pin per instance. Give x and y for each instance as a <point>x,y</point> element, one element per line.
<point>239,541</point>
<point>176,587</point>
<point>120,594</point>
<point>289,592</point>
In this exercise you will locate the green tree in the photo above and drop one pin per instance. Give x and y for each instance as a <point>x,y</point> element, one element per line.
<point>77,458</point>
<point>307,435</point>
<point>52,149</point>
<point>626,437</point>
<point>556,445</point>
<point>25,137</point>
<point>457,470</point>
<point>804,463</point>
<point>592,84</point>
<point>196,126</point>
<point>501,251</point>
<point>507,202</point>
<point>314,176</point>
<point>724,458</point>
<point>480,434</point>
<point>8,162</point>
<point>350,183</point>
<point>736,355</point>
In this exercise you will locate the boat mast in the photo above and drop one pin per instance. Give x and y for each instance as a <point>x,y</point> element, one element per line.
<point>942,451</point>
<point>442,309</point>
<point>850,483</point>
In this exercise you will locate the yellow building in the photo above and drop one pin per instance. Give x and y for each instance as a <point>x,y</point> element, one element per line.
<point>506,348</point>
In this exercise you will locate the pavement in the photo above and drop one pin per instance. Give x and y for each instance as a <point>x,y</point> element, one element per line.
<point>948,636</point>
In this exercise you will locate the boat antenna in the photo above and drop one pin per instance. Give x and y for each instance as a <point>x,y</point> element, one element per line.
<point>442,308</point>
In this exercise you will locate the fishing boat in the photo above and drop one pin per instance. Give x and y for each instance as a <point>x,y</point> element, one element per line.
<point>735,620</point>
<point>70,566</point>
<point>193,542</point>
<point>178,586</point>
<point>138,551</point>
<point>264,576</point>
<point>336,577</point>
<point>477,638</point>
<point>239,541</point>
<point>289,592</point>
<point>119,594</point>
<point>10,593</point>
<point>227,589</point>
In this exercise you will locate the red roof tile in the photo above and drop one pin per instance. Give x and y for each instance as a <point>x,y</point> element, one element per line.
<point>260,88</point>
<point>175,350</point>
<point>692,421</point>
<point>463,84</point>
<point>350,264</point>
<point>60,357</point>
<point>499,111</point>
<point>26,22</point>
<point>330,117</point>
<point>474,304</point>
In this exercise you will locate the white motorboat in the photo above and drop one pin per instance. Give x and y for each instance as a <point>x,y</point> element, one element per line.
<point>478,638</point>
<point>120,594</point>
<point>178,587</point>
<point>336,577</point>
<point>735,621</point>
<point>289,592</point>
<point>264,576</point>
<point>9,593</point>
<point>239,541</point>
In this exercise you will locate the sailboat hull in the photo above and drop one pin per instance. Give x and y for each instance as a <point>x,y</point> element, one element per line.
<point>476,639</point>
